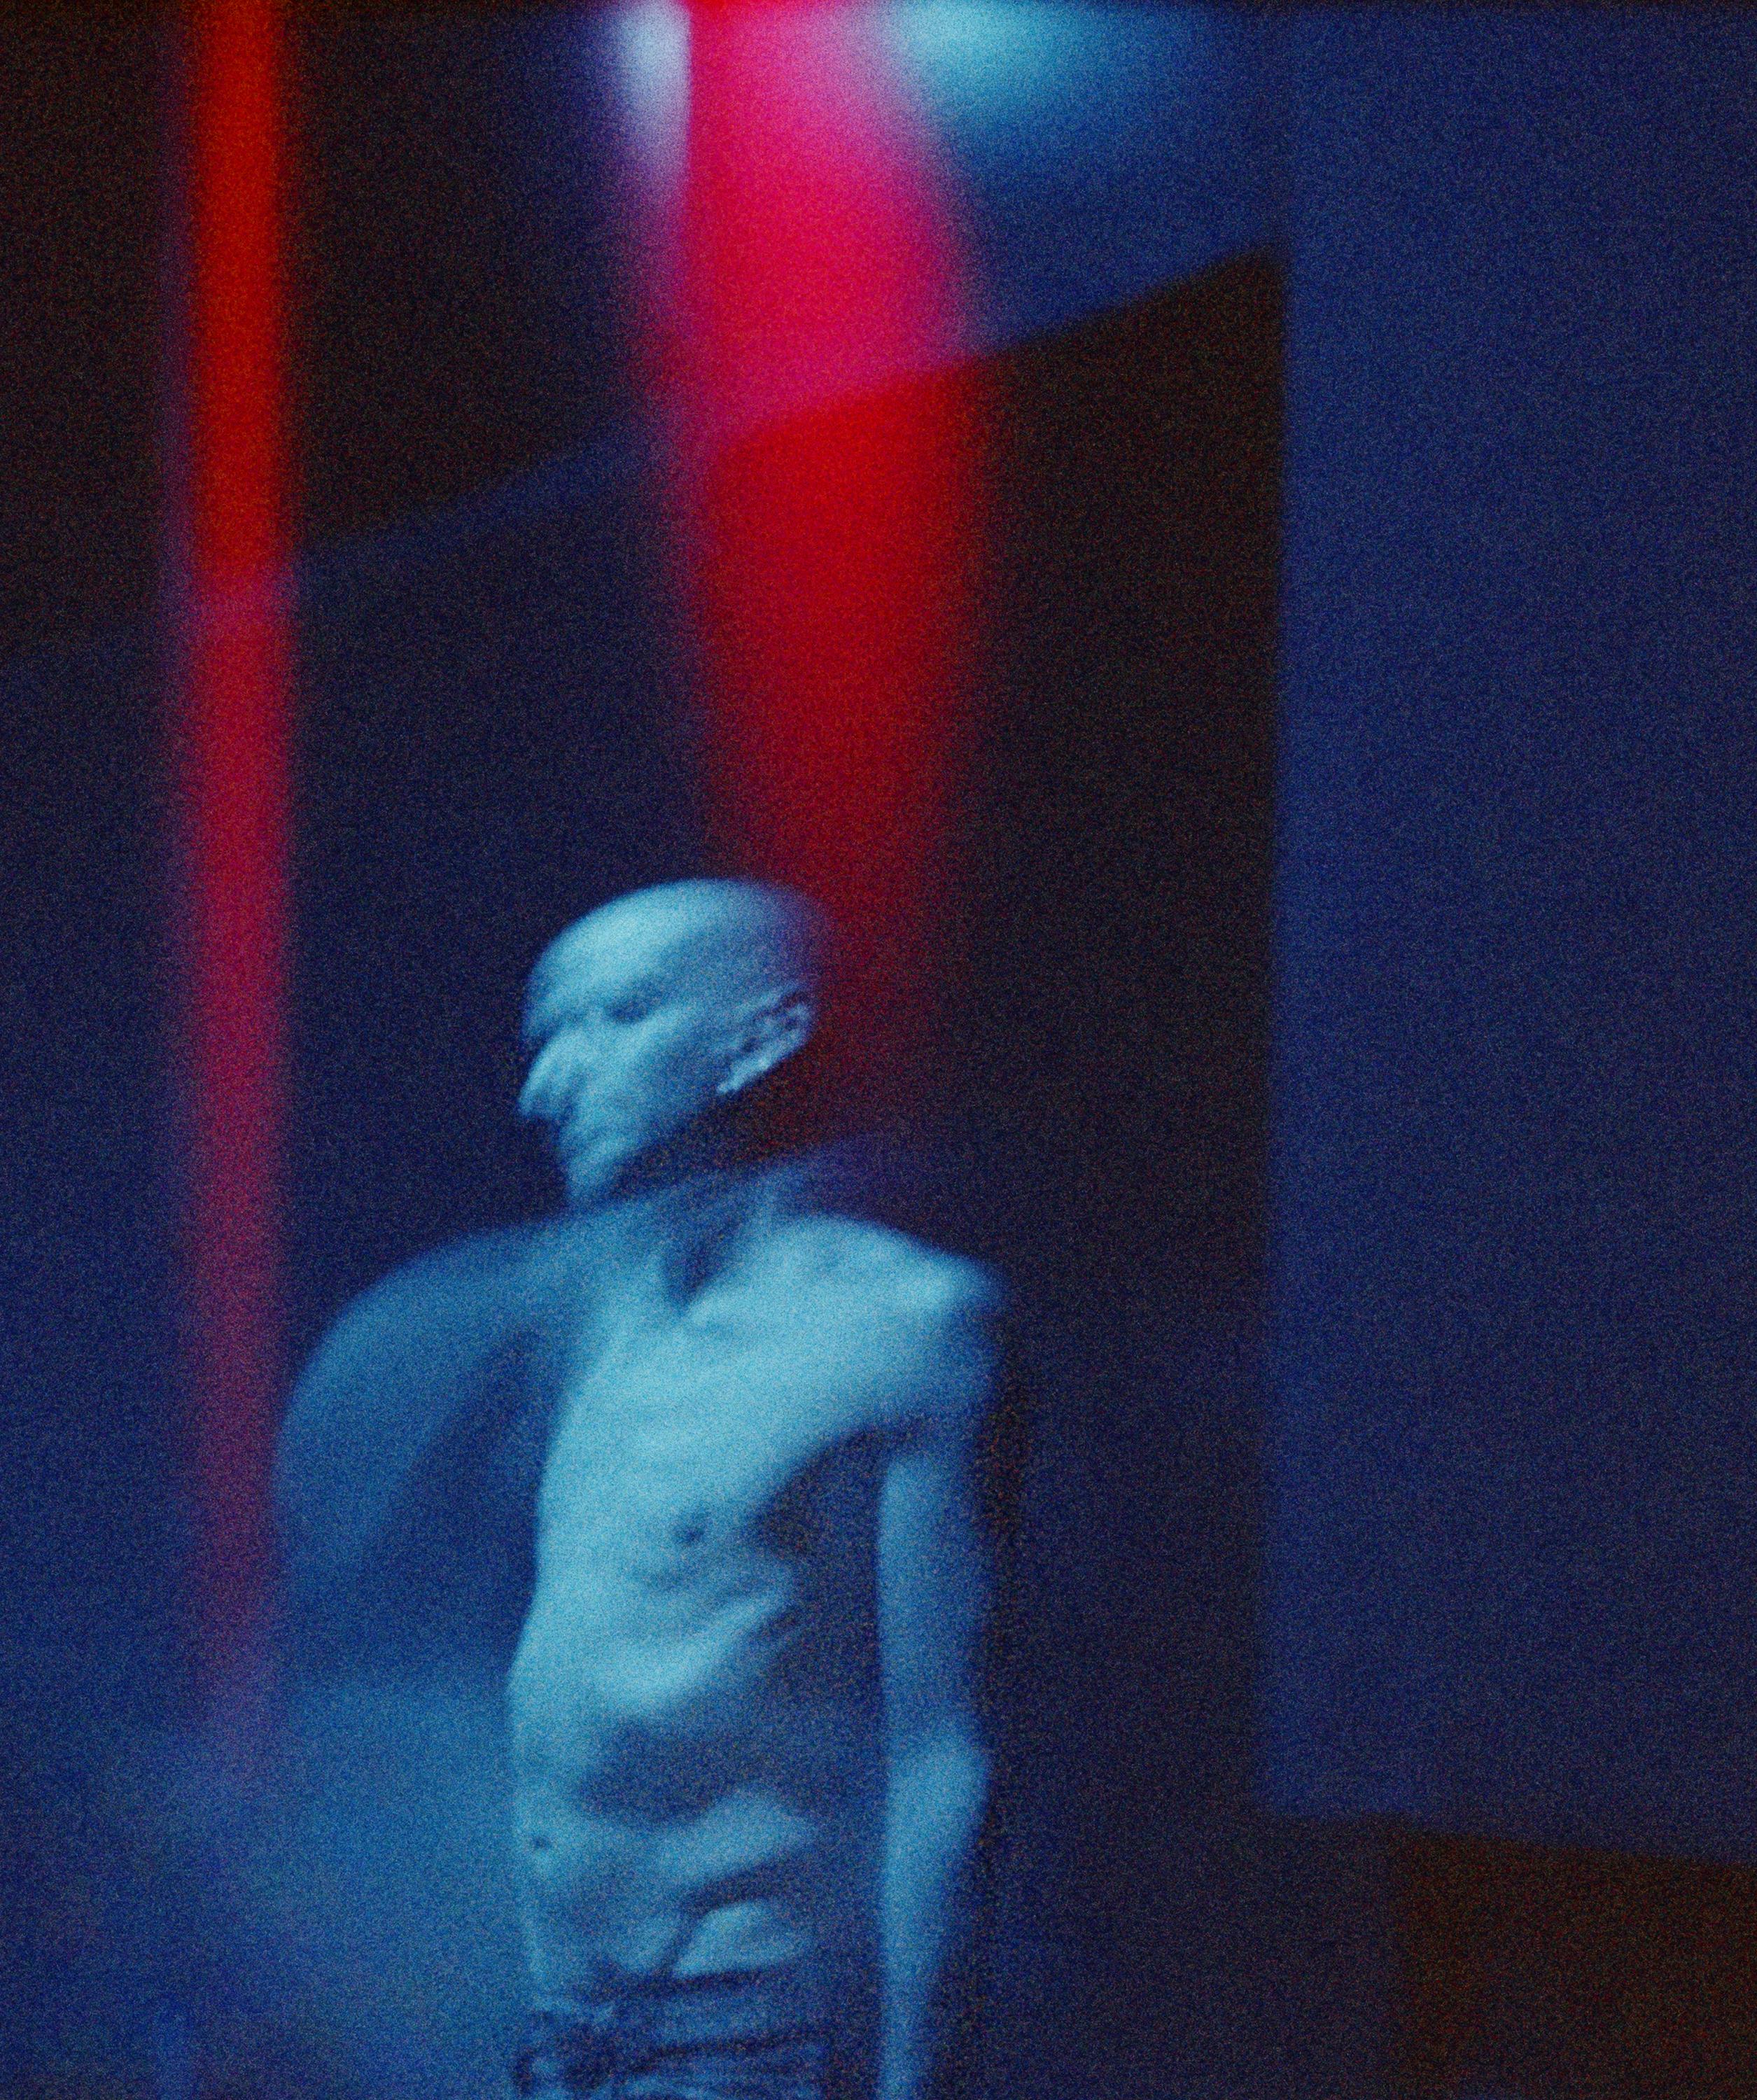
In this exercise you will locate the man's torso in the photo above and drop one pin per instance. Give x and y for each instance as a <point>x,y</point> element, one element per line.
<point>693,1702</point>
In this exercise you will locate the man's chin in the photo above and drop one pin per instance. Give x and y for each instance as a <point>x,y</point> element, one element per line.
<point>590,1182</point>
<point>595,1178</point>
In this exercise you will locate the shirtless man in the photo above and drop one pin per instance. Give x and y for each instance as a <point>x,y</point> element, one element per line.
<point>746,1771</point>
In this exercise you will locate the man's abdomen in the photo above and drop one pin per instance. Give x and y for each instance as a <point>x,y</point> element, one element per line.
<point>677,1806</point>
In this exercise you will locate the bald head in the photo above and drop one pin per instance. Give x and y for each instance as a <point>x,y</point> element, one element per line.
<point>737,939</point>
<point>646,1013</point>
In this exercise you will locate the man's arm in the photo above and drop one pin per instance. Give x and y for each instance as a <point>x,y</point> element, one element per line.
<point>933,1595</point>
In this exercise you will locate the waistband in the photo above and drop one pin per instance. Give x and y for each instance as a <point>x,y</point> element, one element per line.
<point>666,2012</point>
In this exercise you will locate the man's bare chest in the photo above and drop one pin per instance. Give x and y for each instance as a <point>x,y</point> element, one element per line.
<point>737,1435</point>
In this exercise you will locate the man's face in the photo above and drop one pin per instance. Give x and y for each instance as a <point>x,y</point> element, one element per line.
<point>630,1046</point>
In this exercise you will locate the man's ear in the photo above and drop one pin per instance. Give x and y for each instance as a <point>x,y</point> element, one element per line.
<point>772,1030</point>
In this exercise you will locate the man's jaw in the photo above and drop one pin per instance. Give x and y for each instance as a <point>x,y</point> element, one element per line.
<point>598,1171</point>
<point>601,1173</point>
<point>591,1171</point>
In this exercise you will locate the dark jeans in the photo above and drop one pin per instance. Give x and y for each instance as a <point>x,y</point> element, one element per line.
<point>758,2037</point>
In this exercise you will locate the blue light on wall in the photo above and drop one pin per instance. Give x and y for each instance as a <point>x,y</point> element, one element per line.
<point>1098,153</point>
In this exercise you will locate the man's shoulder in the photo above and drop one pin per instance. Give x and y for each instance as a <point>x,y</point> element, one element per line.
<point>919,1320</point>
<point>896,1272</point>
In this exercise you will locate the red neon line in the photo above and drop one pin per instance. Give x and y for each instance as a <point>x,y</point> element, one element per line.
<point>232,679</point>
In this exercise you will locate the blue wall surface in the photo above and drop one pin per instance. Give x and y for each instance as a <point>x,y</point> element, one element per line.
<point>1512,1538</point>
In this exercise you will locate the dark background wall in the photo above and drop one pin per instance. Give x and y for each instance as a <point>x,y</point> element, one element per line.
<point>1513,1535</point>
<point>1113,1057</point>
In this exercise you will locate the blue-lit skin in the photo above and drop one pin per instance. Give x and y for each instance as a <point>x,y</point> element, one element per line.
<point>716,1767</point>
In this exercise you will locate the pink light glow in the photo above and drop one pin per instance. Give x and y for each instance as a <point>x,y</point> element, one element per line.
<point>827,495</point>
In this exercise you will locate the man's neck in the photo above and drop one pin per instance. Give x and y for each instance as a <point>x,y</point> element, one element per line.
<point>674,1237</point>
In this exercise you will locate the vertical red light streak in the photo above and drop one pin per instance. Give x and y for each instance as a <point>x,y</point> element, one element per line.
<point>230,664</point>
<point>831,548</point>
